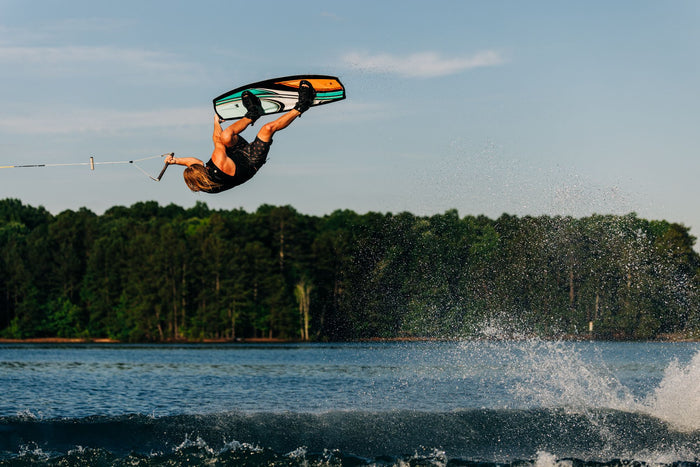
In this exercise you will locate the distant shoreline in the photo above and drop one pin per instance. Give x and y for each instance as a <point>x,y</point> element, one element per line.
<point>71,340</point>
<point>668,338</point>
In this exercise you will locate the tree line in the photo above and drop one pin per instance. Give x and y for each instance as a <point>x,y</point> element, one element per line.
<point>151,273</point>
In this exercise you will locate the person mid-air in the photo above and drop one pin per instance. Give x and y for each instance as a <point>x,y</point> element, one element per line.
<point>234,160</point>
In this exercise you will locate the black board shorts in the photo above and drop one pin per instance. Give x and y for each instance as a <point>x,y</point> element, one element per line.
<point>255,153</point>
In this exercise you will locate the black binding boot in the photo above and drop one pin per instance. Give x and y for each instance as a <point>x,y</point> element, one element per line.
<point>307,94</point>
<point>252,104</point>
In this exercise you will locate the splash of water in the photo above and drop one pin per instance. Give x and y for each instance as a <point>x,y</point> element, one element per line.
<point>677,398</point>
<point>545,459</point>
<point>555,375</point>
<point>32,450</point>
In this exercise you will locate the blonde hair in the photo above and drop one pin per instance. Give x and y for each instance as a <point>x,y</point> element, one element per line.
<point>197,178</point>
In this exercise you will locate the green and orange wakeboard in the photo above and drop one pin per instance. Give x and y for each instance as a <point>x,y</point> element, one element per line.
<point>279,95</point>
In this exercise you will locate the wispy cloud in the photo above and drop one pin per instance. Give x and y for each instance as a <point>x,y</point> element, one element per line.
<point>76,59</point>
<point>58,30</point>
<point>104,121</point>
<point>421,65</point>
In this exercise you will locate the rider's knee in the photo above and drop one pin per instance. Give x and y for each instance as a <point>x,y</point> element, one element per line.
<point>269,127</point>
<point>267,130</point>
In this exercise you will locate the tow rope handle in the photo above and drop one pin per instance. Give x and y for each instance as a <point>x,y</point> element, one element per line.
<point>165,167</point>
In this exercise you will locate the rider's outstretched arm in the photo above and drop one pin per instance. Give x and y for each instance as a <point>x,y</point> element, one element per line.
<point>186,161</point>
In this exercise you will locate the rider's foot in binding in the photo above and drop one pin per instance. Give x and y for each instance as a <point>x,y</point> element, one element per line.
<point>307,94</point>
<point>252,105</point>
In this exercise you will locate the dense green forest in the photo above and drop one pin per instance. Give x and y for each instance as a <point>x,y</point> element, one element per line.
<point>154,273</point>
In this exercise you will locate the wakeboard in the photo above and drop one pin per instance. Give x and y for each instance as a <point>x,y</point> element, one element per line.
<point>278,95</point>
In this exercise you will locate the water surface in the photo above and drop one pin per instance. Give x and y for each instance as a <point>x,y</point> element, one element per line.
<point>440,402</point>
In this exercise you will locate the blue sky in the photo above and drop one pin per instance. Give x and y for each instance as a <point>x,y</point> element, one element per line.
<point>526,108</point>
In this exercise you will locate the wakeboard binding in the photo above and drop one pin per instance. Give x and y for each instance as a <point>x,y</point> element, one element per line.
<point>252,104</point>
<point>307,94</point>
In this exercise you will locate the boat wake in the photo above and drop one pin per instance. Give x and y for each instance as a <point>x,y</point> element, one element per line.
<point>336,438</point>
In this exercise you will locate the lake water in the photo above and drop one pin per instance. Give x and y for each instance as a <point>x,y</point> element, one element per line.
<point>423,403</point>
